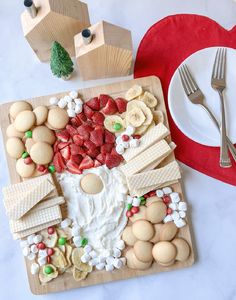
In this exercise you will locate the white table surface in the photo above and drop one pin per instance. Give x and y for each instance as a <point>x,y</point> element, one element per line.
<point>212,203</point>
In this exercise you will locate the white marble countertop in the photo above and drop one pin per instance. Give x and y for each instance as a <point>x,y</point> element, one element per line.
<point>212,203</point>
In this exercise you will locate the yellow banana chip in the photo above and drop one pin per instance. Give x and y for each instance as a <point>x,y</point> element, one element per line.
<point>76,260</point>
<point>49,240</point>
<point>44,278</point>
<point>58,259</point>
<point>78,275</point>
<point>149,99</point>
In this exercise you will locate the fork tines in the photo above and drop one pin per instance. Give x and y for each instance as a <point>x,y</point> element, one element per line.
<point>219,67</point>
<point>188,82</point>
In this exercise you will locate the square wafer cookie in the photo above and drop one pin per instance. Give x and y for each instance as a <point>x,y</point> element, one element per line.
<point>143,160</point>
<point>152,136</point>
<point>48,203</point>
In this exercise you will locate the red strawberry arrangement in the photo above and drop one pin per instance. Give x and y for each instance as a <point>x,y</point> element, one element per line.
<point>85,143</point>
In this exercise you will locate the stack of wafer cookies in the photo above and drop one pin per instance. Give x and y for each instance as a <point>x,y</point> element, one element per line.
<point>32,205</point>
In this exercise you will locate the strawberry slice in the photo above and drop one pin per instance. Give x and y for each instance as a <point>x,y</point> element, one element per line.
<point>101,158</point>
<point>86,163</point>
<point>75,121</point>
<point>93,152</point>
<point>58,162</point>
<point>109,137</point>
<point>97,136</point>
<point>75,149</point>
<point>106,148</point>
<point>110,108</point>
<point>103,100</point>
<point>63,135</point>
<point>98,118</point>
<point>121,105</point>
<point>65,152</point>
<point>76,158</point>
<point>94,103</point>
<point>83,132</point>
<point>72,130</point>
<point>55,146</point>
<point>112,160</point>
<point>62,145</point>
<point>81,117</point>
<point>97,163</point>
<point>88,111</point>
<point>73,167</point>
<point>89,145</point>
<point>78,140</point>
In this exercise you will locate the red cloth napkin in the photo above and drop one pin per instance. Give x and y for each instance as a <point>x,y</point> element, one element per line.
<point>165,45</point>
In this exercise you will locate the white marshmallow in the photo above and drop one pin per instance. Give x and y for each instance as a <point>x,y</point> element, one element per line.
<point>106,253</point>
<point>180,223</point>
<point>136,201</point>
<point>110,260</point>
<point>175,197</point>
<point>101,259</point>
<point>62,103</point>
<point>119,140</point>
<point>23,243</point>
<point>134,143</point>
<point>100,266</point>
<point>117,263</point>
<point>78,109</point>
<point>94,262</point>
<point>129,199</point>
<point>34,249</point>
<point>123,259</point>
<point>182,214</point>
<point>116,252</point>
<point>75,231</point>
<point>78,101</point>
<point>66,223</point>
<point>77,241</point>
<point>125,144</point>
<point>129,130</point>
<point>43,253</point>
<point>34,268</point>
<point>167,190</point>
<point>93,254</point>
<point>120,149</point>
<point>167,219</point>
<point>30,239</point>
<point>67,98</point>
<point>26,251</point>
<point>42,261</point>
<point>73,94</point>
<point>109,268</point>
<point>182,206</point>
<point>38,238</point>
<point>175,215</point>
<point>31,256</point>
<point>85,258</point>
<point>53,101</point>
<point>159,193</point>
<point>173,206</point>
<point>120,245</point>
<point>71,113</point>
<point>88,249</point>
<point>71,105</point>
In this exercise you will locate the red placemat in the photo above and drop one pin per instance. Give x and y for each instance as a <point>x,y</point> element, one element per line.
<point>165,45</point>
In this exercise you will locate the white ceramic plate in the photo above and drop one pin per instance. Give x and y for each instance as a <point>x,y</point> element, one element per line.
<point>191,119</point>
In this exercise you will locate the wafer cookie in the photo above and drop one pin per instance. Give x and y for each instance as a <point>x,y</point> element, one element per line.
<point>48,203</point>
<point>143,160</point>
<point>152,136</point>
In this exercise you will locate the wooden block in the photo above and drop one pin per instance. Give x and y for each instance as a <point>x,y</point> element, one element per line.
<point>56,20</point>
<point>108,55</point>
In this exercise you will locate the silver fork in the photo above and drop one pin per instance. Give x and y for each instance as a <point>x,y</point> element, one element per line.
<point>218,83</point>
<point>196,96</point>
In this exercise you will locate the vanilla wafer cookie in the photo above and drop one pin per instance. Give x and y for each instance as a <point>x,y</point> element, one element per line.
<point>152,136</point>
<point>36,218</point>
<point>143,160</point>
<point>48,203</point>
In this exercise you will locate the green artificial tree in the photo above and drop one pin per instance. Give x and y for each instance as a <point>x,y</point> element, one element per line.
<point>61,63</point>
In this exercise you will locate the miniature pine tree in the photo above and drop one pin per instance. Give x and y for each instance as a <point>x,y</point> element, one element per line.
<point>61,63</point>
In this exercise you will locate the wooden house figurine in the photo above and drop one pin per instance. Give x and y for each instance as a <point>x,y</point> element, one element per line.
<point>103,50</point>
<point>45,21</point>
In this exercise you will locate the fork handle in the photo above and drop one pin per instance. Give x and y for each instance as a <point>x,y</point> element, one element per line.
<point>231,147</point>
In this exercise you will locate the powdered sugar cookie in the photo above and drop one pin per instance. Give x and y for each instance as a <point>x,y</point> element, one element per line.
<point>43,134</point>
<point>156,212</point>
<point>143,230</point>
<point>24,120</point>
<point>128,237</point>
<point>19,106</point>
<point>15,147</point>
<point>41,153</point>
<point>91,184</point>
<point>168,231</point>
<point>12,132</point>
<point>143,251</point>
<point>164,252</point>
<point>183,249</point>
<point>57,118</point>
<point>24,170</point>
<point>41,113</point>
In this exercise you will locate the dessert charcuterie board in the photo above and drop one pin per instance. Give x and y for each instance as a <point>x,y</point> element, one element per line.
<point>65,281</point>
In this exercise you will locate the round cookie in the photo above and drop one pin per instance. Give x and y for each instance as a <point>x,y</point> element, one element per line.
<point>129,255</point>
<point>156,212</point>
<point>156,237</point>
<point>153,199</point>
<point>141,215</point>
<point>57,118</point>
<point>15,147</point>
<point>91,184</point>
<point>128,237</point>
<point>24,120</point>
<point>143,251</point>
<point>43,134</point>
<point>19,106</point>
<point>24,170</point>
<point>12,132</point>
<point>143,230</point>
<point>183,249</point>
<point>28,144</point>
<point>41,153</point>
<point>141,265</point>
<point>164,252</point>
<point>168,264</point>
<point>41,114</point>
<point>168,231</point>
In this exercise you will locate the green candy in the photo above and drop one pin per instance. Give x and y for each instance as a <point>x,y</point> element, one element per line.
<point>61,241</point>
<point>142,198</point>
<point>48,270</point>
<point>84,242</point>
<point>51,169</point>
<point>129,206</point>
<point>117,126</point>
<point>28,134</point>
<point>25,154</point>
<point>143,202</point>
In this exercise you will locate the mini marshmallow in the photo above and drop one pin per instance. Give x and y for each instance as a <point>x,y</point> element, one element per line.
<point>125,144</point>
<point>101,259</point>
<point>85,258</point>
<point>88,248</point>
<point>109,268</point>
<point>180,223</point>
<point>173,206</point>
<point>42,261</point>
<point>116,252</point>
<point>175,215</point>
<point>129,130</point>
<point>134,143</point>
<point>117,263</point>
<point>110,260</point>
<point>62,103</point>
<point>123,259</point>
<point>120,245</point>
<point>175,197</point>
<point>71,113</point>
<point>119,140</point>
<point>67,98</point>
<point>71,105</point>
<point>34,249</point>
<point>78,101</point>
<point>100,266</point>
<point>182,214</point>
<point>34,268</point>
<point>73,94</point>
<point>182,206</point>
<point>30,239</point>
<point>53,101</point>
<point>94,262</point>
<point>78,109</point>
<point>38,238</point>
<point>120,149</point>
<point>136,201</point>
<point>26,251</point>
<point>129,199</point>
<point>75,231</point>
<point>107,253</point>
<point>167,190</point>
<point>168,218</point>
<point>159,193</point>
<point>23,243</point>
<point>43,253</point>
<point>93,254</point>
<point>66,223</point>
<point>31,256</point>
<point>77,241</point>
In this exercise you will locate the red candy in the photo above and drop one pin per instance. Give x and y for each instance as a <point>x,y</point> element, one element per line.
<point>166,199</point>
<point>152,194</point>
<point>49,259</point>
<point>50,251</point>
<point>125,137</point>
<point>137,136</point>
<point>169,211</point>
<point>41,168</point>
<point>51,230</point>
<point>129,214</point>
<point>135,209</point>
<point>28,160</point>
<point>41,246</point>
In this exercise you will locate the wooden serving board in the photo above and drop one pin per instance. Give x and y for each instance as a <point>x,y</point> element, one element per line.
<point>66,281</point>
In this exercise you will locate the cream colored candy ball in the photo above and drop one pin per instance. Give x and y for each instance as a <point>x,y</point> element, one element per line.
<point>91,184</point>
<point>153,199</point>
<point>28,144</point>
<point>141,215</point>
<point>143,251</point>
<point>156,238</point>
<point>24,170</point>
<point>19,106</point>
<point>15,147</point>
<point>183,249</point>
<point>25,120</point>
<point>128,237</point>
<point>12,132</point>
<point>41,113</point>
<point>129,255</point>
<point>168,231</point>
<point>156,212</point>
<point>57,118</point>
<point>164,252</point>
<point>41,153</point>
<point>43,134</point>
<point>143,230</point>
<point>140,265</point>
